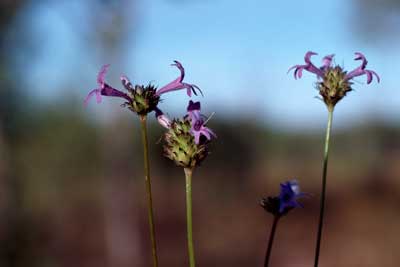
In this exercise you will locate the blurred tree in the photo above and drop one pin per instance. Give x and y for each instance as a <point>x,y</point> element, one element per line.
<point>376,20</point>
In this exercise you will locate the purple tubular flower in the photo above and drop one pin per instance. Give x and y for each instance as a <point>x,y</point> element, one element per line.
<point>104,88</point>
<point>198,124</point>
<point>178,83</point>
<point>162,119</point>
<point>309,66</point>
<point>290,192</point>
<point>361,70</point>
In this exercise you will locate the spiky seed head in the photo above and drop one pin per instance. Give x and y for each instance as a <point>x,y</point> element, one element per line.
<point>180,146</point>
<point>334,86</point>
<point>144,99</point>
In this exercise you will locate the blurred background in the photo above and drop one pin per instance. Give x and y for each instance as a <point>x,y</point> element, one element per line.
<point>71,179</point>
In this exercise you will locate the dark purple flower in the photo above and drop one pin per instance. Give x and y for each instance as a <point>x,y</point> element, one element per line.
<point>178,83</point>
<point>198,124</point>
<point>361,70</point>
<point>290,192</point>
<point>286,201</point>
<point>104,88</point>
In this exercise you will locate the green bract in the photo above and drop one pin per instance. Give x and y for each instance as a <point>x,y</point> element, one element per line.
<point>180,145</point>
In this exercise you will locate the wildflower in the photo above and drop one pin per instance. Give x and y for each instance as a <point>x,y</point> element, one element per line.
<point>178,83</point>
<point>333,81</point>
<point>139,98</point>
<point>198,124</point>
<point>286,201</point>
<point>183,140</point>
<point>104,88</point>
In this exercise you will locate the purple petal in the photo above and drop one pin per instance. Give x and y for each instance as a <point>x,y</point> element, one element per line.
<point>102,74</point>
<point>126,82</point>
<point>90,95</point>
<point>178,83</point>
<point>360,56</point>
<point>204,132</point>
<point>299,72</point>
<point>193,106</point>
<point>360,70</point>
<point>327,61</point>
<point>307,57</point>
<point>180,67</point>
<point>295,71</point>
<point>196,137</point>
<point>376,75</point>
<point>309,66</point>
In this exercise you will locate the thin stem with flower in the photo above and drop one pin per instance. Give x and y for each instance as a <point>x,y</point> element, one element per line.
<point>323,189</point>
<point>271,240</point>
<point>143,122</point>
<point>188,176</point>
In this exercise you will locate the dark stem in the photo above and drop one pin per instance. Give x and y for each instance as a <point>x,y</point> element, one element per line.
<point>271,240</point>
<point>143,120</point>
<point>188,176</point>
<point>323,189</point>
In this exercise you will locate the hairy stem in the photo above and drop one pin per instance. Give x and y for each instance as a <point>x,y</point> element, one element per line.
<point>323,189</point>
<point>143,121</point>
<point>188,176</point>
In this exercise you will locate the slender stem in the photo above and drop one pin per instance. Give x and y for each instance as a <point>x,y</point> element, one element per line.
<point>188,176</point>
<point>145,141</point>
<point>271,241</point>
<point>323,189</point>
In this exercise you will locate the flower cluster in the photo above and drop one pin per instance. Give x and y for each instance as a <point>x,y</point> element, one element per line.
<point>333,81</point>
<point>187,139</point>
<point>140,99</point>
<point>286,201</point>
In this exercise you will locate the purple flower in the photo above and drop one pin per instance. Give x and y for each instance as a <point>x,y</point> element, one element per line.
<point>198,124</point>
<point>140,99</point>
<point>104,88</point>
<point>309,66</point>
<point>178,83</point>
<point>327,66</point>
<point>290,192</point>
<point>361,70</point>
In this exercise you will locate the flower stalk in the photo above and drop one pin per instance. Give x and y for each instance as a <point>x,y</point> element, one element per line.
<point>280,206</point>
<point>188,179</point>
<point>271,240</point>
<point>143,122</point>
<point>323,188</point>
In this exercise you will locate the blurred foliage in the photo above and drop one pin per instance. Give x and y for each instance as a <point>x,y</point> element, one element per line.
<point>377,20</point>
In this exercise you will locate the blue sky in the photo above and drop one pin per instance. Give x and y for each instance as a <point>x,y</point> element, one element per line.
<point>237,53</point>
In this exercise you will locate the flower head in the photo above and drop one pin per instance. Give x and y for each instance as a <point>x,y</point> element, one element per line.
<point>139,98</point>
<point>333,82</point>
<point>186,141</point>
<point>286,201</point>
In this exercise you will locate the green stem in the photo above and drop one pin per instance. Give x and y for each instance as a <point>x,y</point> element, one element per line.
<point>143,120</point>
<point>271,240</point>
<point>188,176</point>
<point>323,189</point>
